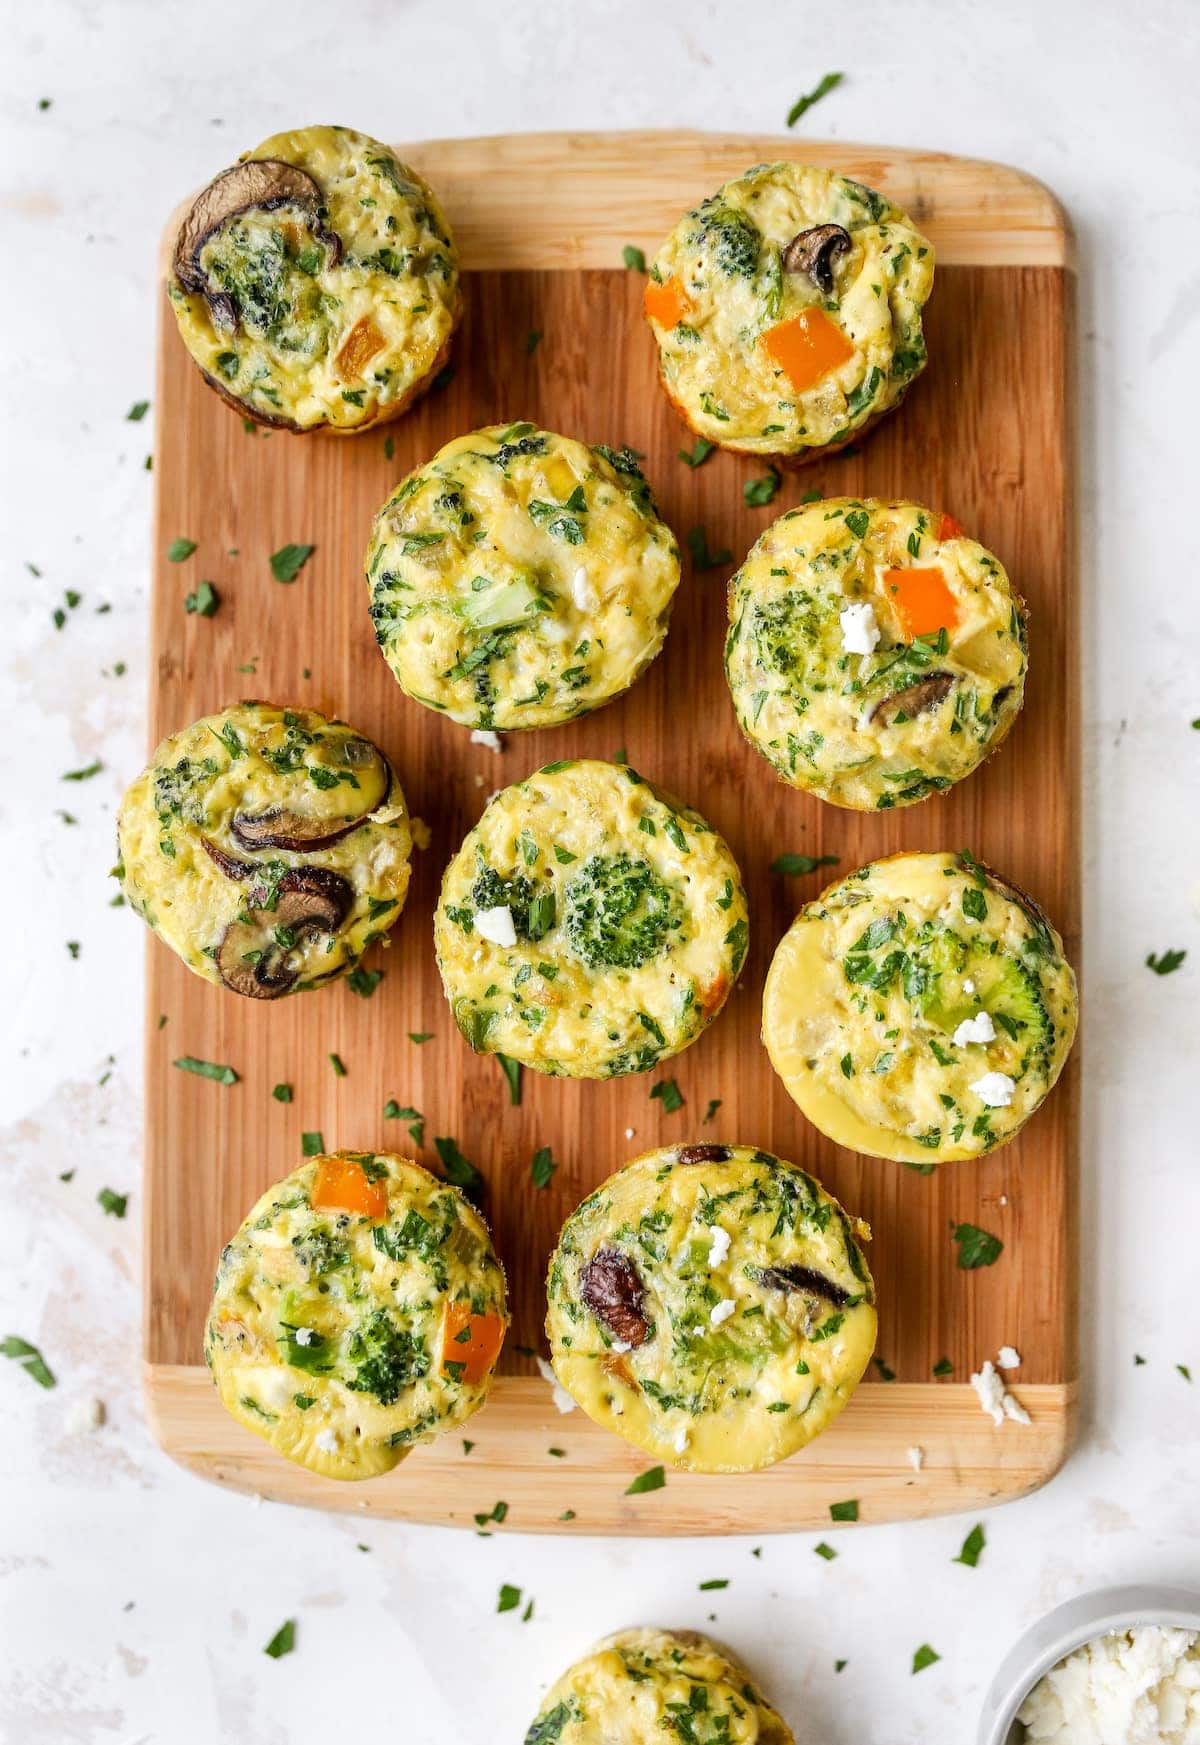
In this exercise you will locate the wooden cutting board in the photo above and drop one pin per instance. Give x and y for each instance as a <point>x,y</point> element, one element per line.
<point>987,433</point>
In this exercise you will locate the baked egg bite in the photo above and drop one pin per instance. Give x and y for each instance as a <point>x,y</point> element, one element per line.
<point>521,578</point>
<point>644,1686</point>
<point>589,925</point>
<point>360,1309</point>
<point>267,847</point>
<point>875,653</point>
<point>711,1304</point>
<point>920,1009</point>
<point>315,282</point>
<point>787,311</point>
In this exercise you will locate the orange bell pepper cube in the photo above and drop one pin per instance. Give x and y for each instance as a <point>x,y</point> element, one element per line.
<point>667,303</point>
<point>807,347</point>
<point>948,528</point>
<point>470,1342</point>
<point>923,601</point>
<point>358,348</point>
<point>342,1186</point>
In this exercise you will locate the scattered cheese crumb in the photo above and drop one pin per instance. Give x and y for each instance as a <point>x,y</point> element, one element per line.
<point>479,781</point>
<point>916,1458</point>
<point>1004,1199</point>
<point>496,925</point>
<point>995,1398</point>
<point>1015,1410</point>
<point>328,1441</point>
<point>682,1438</point>
<point>621,1346</point>
<point>977,1029</point>
<point>582,591</point>
<point>994,1090</point>
<point>629,1132</point>
<point>304,1335</point>
<point>720,1245</point>
<point>85,1416</point>
<point>1008,1358</point>
<point>722,1311</point>
<point>485,736</point>
<point>968,985</point>
<point>562,1398</point>
<point>1139,1686</point>
<point>860,633</point>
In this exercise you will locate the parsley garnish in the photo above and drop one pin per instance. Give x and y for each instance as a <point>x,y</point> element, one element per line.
<point>757,492</point>
<point>924,1656</point>
<point>283,1641</point>
<point>802,105</point>
<point>976,1247</point>
<point>634,259</point>
<point>542,1167</point>
<point>972,1546</point>
<point>707,1587</point>
<point>653,1479</point>
<point>203,601</point>
<point>206,1069</point>
<point>312,1144</point>
<point>419,1036</point>
<point>943,1366</point>
<point>364,981</point>
<point>669,1094</point>
<point>847,1511</point>
<point>699,453</point>
<point>137,411</point>
<point>796,865</point>
<point>289,560</point>
<point>702,557</point>
<point>825,1551</point>
<point>509,1598</point>
<point>114,1204</point>
<point>83,775</point>
<point>282,1093</point>
<point>714,1103</point>
<point>180,549</point>
<point>30,1359</point>
<point>458,1169</point>
<point>512,1072</point>
<point>1164,964</point>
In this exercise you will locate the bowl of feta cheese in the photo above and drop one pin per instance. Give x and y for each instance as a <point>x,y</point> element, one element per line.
<point>1120,1666</point>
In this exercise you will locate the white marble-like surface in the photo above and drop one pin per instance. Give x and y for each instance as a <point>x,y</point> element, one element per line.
<point>134,1600</point>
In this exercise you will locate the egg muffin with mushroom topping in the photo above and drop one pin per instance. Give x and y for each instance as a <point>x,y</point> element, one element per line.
<point>360,1309</point>
<point>920,1009</point>
<point>787,310</point>
<point>875,653</point>
<point>589,925</point>
<point>520,578</point>
<point>642,1686</point>
<point>268,847</point>
<point>711,1304</point>
<point>315,282</point>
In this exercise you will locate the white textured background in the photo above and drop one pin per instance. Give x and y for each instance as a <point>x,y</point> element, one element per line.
<point>134,1600</point>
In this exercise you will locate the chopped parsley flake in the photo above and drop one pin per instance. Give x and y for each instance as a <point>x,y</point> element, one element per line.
<point>976,1247</point>
<point>180,550</point>
<point>847,1511</point>
<point>1164,964</point>
<point>669,1094</point>
<point>112,1203</point>
<point>924,1656</point>
<point>972,1547</point>
<point>803,104</point>
<point>30,1360</point>
<point>796,865</point>
<point>542,1167</point>
<point>206,1069</point>
<point>653,1479</point>
<point>289,560</point>
<point>283,1641</point>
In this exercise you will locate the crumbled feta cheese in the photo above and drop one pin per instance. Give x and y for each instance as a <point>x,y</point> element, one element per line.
<point>328,1441</point>
<point>629,1132</point>
<point>421,834</point>
<point>479,783</point>
<point>496,925</point>
<point>995,1398</point>
<point>916,1458</point>
<point>860,633</point>
<point>1008,1357</point>
<point>682,1438</point>
<point>85,1416</point>
<point>621,1346</point>
<point>1139,1686</point>
<point>977,1029</point>
<point>968,985</point>
<point>485,736</point>
<point>722,1311</point>
<point>304,1336</point>
<point>562,1398</point>
<point>994,1090</point>
<point>582,592</point>
<point>720,1245</point>
<point>1015,1410</point>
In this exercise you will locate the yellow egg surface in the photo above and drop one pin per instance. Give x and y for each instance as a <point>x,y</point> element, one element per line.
<point>711,1304</point>
<point>520,578</point>
<point>647,1686</point>
<point>268,847</point>
<point>787,311</point>
<point>920,1009</point>
<point>360,1309</point>
<point>589,925</point>
<point>315,282</point>
<point>875,654</point>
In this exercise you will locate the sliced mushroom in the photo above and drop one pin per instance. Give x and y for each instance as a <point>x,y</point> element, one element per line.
<point>232,868</point>
<point>813,252</point>
<point>611,1288</point>
<point>703,1154</point>
<point>916,699</point>
<point>285,827</point>
<point>255,954</point>
<point>802,1278</point>
<point>258,185</point>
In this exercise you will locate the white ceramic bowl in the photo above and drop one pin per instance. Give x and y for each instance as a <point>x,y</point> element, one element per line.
<point>1068,1627</point>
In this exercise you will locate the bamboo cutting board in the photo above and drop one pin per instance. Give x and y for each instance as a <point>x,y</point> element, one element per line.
<point>987,433</point>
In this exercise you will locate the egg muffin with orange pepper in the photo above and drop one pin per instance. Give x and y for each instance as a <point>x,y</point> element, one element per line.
<point>315,282</point>
<point>876,654</point>
<point>360,1309</point>
<point>787,310</point>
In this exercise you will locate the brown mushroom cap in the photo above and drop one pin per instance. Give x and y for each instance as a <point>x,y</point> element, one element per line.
<point>802,1278</point>
<point>258,185</point>
<point>915,699</point>
<point>703,1154</point>
<point>813,252</point>
<point>231,867</point>
<point>285,827</point>
<point>611,1288</point>
<point>252,957</point>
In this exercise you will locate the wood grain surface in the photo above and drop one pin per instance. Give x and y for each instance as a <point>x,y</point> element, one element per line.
<point>987,434</point>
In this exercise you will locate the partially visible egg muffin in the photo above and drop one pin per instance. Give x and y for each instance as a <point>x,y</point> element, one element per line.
<point>315,282</point>
<point>589,925</point>
<point>360,1309</point>
<point>268,847</point>
<point>920,1009</point>
<point>648,1686</point>
<point>875,653</point>
<point>787,311</point>
<point>711,1304</point>
<point>520,578</point>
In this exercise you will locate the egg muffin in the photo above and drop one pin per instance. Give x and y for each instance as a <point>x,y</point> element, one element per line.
<point>589,925</point>
<point>360,1309</point>
<point>267,847</point>
<point>645,1686</point>
<point>875,653</point>
<point>787,311</point>
<point>315,282</point>
<point>920,1009</point>
<point>520,578</point>
<point>711,1304</point>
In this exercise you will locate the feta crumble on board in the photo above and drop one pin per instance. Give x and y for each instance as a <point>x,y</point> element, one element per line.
<point>994,1090</point>
<point>496,925</point>
<point>916,1458</point>
<point>85,1416</point>
<point>994,1397</point>
<point>562,1398</point>
<point>860,633</point>
<point>485,736</point>
<point>1008,1357</point>
<point>977,1029</point>
<point>721,1311</point>
<point>720,1245</point>
<point>1130,1687</point>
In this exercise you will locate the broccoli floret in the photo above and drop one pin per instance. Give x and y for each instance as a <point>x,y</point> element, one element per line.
<point>618,912</point>
<point>786,631</point>
<point>515,893</point>
<point>319,1252</point>
<point>388,1358</point>
<point>730,238</point>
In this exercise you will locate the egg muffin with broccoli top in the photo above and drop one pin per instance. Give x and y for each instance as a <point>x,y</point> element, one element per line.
<point>360,1309</point>
<point>315,282</point>
<point>589,925</point>
<point>875,653</point>
<point>268,847</point>
<point>521,578</point>
<point>711,1304</point>
<point>647,1686</point>
<point>920,1009</point>
<point>787,311</point>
